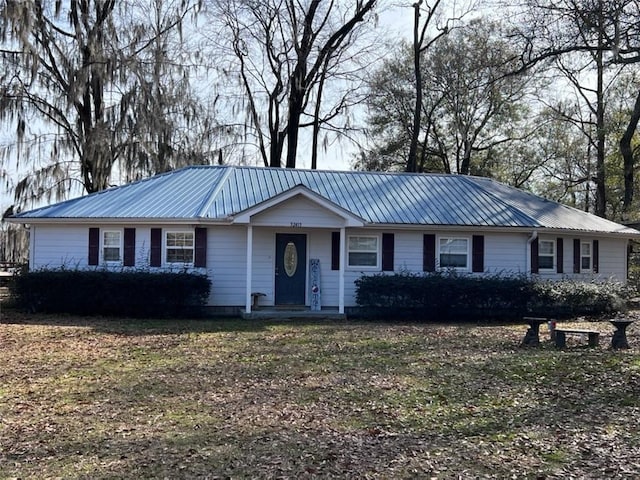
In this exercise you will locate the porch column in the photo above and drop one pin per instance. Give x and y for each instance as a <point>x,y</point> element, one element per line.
<point>249,267</point>
<point>341,272</point>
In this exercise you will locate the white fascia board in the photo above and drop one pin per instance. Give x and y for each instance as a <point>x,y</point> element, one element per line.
<point>118,221</point>
<point>350,219</point>
<point>489,229</point>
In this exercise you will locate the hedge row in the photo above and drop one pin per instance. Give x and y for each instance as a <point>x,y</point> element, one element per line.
<point>449,296</point>
<point>98,292</point>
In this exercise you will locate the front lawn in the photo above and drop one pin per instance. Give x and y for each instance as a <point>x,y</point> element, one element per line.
<point>87,398</point>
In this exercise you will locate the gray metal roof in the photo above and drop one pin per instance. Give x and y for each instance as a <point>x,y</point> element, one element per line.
<point>220,192</point>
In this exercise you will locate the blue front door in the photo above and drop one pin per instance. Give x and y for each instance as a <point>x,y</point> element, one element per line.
<point>291,268</point>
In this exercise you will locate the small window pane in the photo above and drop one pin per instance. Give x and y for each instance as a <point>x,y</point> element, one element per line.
<point>179,255</point>
<point>586,263</point>
<point>111,254</point>
<point>361,259</point>
<point>586,249</point>
<point>453,261</point>
<point>368,244</point>
<point>545,262</point>
<point>111,239</point>
<point>546,247</point>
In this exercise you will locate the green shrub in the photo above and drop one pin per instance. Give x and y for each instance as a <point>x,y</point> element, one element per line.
<point>447,296</point>
<point>101,292</point>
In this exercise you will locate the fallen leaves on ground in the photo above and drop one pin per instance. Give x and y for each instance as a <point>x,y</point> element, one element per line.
<point>99,398</point>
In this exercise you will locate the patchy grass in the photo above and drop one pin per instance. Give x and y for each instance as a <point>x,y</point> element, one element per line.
<point>87,398</point>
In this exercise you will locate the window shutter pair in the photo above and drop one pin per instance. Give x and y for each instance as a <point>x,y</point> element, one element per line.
<point>388,247</point>
<point>129,254</point>
<point>200,253</point>
<point>595,256</point>
<point>429,253</point>
<point>535,250</point>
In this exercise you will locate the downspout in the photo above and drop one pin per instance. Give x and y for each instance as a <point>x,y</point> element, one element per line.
<point>527,254</point>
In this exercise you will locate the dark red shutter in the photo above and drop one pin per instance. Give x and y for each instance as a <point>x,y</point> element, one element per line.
<point>596,256</point>
<point>429,253</point>
<point>576,255</point>
<point>560,255</point>
<point>129,258</point>
<point>477,254</point>
<point>387,252</point>
<point>94,246</point>
<point>534,257</point>
<point>155,254</point>
<point>335,250</point>
<point>200,258</point>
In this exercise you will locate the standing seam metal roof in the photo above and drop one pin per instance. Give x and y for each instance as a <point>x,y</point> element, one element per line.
<point>219,192</point>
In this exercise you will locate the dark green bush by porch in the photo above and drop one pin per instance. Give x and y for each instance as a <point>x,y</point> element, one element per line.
<point>101,292</point>
<point>450,296</point>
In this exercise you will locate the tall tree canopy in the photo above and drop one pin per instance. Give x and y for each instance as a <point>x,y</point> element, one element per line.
<point>594,34</point>
<point>469,104</point>
<point>94,88</point>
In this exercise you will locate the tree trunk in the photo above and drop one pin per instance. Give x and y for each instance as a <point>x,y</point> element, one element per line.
<point>627,155</point>
<point>601,204</point>
<point>412,161</point>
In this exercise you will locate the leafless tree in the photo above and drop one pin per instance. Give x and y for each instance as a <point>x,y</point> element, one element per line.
<point>285,55</point>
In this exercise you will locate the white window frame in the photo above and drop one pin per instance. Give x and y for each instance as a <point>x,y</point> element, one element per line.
<point>589,269</point>
<point>377,252</point>
<point>166,247</point>
<point>103,245</point>
<point>439,252</point>
<point>551,255</point>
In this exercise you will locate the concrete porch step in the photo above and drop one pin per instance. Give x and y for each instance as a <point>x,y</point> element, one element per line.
<point>279,313</point>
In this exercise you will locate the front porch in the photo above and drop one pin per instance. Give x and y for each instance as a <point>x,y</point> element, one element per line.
<point>297,313</point>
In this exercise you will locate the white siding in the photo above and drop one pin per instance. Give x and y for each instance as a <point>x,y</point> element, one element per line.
<point>300,211</point>
<point>59,246</point>
<point>227,265</point>
<point>505,253</point>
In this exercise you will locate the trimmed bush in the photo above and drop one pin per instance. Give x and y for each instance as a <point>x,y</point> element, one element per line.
<point>101,292</point>
<point>451,296</point>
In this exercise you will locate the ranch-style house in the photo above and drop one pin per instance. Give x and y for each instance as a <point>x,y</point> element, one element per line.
<point>301,237</point>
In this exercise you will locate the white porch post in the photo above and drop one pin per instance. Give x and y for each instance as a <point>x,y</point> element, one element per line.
<point>341,273</point>
<point>249,267</point>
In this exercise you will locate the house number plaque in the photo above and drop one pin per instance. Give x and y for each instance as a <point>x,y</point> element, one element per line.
<point>290,259</point>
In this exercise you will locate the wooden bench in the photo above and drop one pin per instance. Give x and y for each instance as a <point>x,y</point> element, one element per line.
<point>561,336</point>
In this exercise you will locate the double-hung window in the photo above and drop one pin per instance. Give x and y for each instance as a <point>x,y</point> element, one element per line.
<point>363,251</point>
<point>179,247</point>
<point>111,246</point>
<point>546,254</point>
<point>453,253</point>
<point>585,256</point>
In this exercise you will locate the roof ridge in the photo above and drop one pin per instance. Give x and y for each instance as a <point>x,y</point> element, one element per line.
<point>213,192</point>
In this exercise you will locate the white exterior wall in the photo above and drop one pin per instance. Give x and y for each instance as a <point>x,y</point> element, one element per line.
<point>612,259</point>
<point>58,246</point>
<point>505,253</point>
